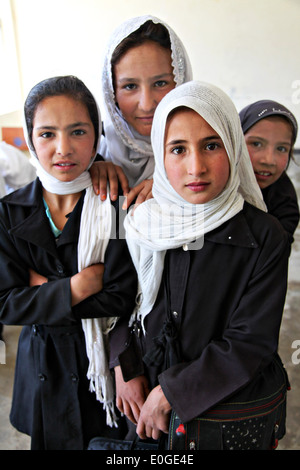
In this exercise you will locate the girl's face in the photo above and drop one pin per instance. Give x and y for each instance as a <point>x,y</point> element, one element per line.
<point>196,161</point>
<point>63,137</point>
<point>269,144</point>
<point>143,76</point>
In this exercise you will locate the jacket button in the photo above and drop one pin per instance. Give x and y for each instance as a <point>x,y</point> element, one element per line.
<point>42,377</point>
<point>60,269</point>
<point>175,314</point>
<point>74,378</point>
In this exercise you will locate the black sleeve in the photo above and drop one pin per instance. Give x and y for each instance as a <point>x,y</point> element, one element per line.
<point>20,304</point>
<point>117,297</point>
<point>281,201</point>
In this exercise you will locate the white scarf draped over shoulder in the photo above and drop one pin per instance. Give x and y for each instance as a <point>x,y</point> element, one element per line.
<point>95,233</point>
<point>168,221</point>
<point>122,144</point>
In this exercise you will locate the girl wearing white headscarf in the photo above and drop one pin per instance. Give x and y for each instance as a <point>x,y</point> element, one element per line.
<point>123,145</point>
<point>212,284</point>
<point>63,393</point>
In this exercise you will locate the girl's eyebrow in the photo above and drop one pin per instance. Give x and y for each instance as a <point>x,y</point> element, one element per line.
<point>163,75</point>
<point>156,77</point>
<point>205,139</point>
<point>70,126</point>
<point>253,137</point>
<point>212,137</point>
<point>79,124</point>
<point>176,142</point>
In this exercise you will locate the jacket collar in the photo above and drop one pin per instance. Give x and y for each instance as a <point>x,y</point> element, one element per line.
<point>31,196</point>
<point>235,231</point>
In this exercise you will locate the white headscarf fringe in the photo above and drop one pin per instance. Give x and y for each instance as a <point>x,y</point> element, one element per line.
<point>95,232</point>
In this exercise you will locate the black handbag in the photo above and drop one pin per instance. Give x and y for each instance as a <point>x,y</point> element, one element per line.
<point>104,443</point>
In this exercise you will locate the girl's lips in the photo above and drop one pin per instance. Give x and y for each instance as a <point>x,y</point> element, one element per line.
<point>197,187</point>
<point>64,165</point>
<point>263,175</point>
<point>145,118</point>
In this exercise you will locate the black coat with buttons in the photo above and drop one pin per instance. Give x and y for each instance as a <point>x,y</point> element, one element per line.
<point>51,401</point>
<point>226,301</point>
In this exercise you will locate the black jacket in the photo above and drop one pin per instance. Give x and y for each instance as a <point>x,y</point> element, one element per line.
<point>227,301</point>
<point>51,399</point>
<point>281,201</point>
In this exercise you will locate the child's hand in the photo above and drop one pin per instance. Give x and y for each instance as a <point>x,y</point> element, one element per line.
<point>86,283</point>
<point>36,279</point>
<point>142,192</point>
<point>155,415</point>
<point>106,172</point>
<point>131,395</point>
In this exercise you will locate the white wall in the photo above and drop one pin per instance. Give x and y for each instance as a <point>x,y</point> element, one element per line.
<point>250,48</point>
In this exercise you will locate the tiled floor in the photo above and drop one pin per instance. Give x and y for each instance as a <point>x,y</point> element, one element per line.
<point>10,439</point>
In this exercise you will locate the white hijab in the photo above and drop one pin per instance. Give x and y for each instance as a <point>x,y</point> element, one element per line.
<point>122,144</point>
<point>168,221</point>
<point>94,235</point>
